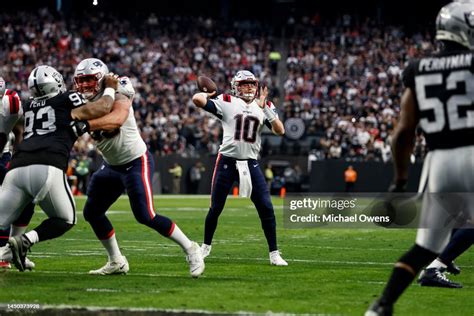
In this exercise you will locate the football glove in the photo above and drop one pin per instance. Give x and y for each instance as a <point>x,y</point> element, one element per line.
<point>79,128</point>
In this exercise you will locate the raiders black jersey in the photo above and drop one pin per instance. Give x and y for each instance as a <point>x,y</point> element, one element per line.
<point>47,138</point>
<point>444,88</point>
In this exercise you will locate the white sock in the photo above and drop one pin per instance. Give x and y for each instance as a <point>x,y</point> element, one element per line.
<point>180,238</point>
<point>17,230</point>
<point>436,264</point>
<point>32,236</point>
<point>112,248</point>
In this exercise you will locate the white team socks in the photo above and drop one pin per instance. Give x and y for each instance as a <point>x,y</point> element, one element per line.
<point>112,248</point>
<point>180,238</point>
<point>17,230</point>
<point>32,236</point>
<point>436,264</point>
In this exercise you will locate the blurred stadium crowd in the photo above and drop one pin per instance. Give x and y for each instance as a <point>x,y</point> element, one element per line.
<point>340,85</point>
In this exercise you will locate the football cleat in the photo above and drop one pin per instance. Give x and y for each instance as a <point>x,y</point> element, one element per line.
<point>19,246</point>
<point>453,268</point>
<point>5,264</point>
<point>436,278</point>
<point>276,259</point>
<point>195,260</point>
<point>206,250</point>
<point>5,253</point>
<point>6,258</point>
<point>377,309</point>
<point>29,265</point>
<point>113,267</point>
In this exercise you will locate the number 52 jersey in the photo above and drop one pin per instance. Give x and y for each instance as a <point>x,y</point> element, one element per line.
<point>242,124</point>
<point>444,87</point>
<point>47,138</point>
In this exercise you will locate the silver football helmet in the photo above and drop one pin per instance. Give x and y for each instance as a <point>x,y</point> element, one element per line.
<point>244,76</point>
<point>89,77</point>
<point>455,22</point>
<point>45,82</point>
<point>3,86</point>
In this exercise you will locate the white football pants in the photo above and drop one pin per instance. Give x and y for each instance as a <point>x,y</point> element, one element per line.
<point>448,171</point>
<point>41,184</point>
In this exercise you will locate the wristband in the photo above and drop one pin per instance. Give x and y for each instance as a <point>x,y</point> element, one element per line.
<point>110,92</point>
<point>269,114</point>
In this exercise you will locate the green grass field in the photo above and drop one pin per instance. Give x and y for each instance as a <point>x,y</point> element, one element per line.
<point>337,271</point>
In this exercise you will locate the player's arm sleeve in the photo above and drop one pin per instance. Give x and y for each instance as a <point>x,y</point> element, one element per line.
<point>408,76</point>
<point>214,106</point>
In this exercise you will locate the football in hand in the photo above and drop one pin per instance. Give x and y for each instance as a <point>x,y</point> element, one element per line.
<point>206,84</point>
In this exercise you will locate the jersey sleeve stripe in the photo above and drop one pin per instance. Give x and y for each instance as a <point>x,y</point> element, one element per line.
<point>15,104</point>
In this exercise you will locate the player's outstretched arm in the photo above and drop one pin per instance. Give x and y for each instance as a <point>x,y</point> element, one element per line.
<point>277,126</point>
<point>200,99</point>
<point>403,139</point>
<point>101,107</point>
<point>115,118</point>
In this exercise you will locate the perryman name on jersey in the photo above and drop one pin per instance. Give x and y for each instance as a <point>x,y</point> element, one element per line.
<point>444,88</point>
<point>445,62</point>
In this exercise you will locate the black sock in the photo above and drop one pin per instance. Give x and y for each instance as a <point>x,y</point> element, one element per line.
<point>4,234</point>
<point>52,228</point>
<point>210,226</point>
<point>416,258</point>
<point>396,285</point>
<point>461,240</point>
<point>269,229</point>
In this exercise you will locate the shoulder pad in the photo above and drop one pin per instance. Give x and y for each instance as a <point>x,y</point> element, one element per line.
<point>11,103</point>
<point>125,87</point>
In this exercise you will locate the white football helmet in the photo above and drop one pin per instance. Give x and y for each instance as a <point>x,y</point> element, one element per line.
<point>244,76</point>
<point>45,82</point>
<point>89,77</point>
<point>455,22</point>
<point>2,86</point>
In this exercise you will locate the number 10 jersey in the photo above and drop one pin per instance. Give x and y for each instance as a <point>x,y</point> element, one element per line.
<point>47,139</point>
<point>242,124</point>
<point>444,88</point>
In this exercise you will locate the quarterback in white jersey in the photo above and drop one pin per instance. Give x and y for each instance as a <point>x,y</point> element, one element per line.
<point>127,166</point>
<point>243,115</point>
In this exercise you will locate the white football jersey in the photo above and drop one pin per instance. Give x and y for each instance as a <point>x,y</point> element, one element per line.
<point>242,124</point>
<point>128,144</point>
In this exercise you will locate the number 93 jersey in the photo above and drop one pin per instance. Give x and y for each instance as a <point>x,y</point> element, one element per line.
<point>444,88</point>
<point>47,138</point>
<point>242,124</point>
